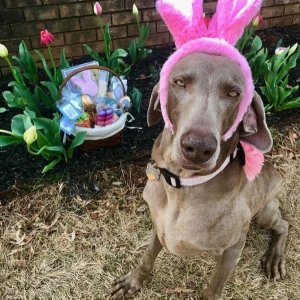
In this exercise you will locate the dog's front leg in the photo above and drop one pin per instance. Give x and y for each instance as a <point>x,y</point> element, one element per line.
<point>226,262</point>
<point>126,286</point>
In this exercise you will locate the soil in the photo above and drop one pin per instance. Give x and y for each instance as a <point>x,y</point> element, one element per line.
<point>19,168</point>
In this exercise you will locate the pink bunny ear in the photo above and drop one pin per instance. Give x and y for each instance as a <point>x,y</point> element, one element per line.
<point>231,18</point>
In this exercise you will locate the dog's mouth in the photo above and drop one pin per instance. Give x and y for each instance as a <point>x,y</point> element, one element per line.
<point>198,167</point>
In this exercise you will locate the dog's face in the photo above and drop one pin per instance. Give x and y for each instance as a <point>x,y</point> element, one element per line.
<point>204,96</point>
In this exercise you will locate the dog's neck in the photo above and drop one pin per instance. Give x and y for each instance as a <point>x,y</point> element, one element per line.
<point>162,150</point>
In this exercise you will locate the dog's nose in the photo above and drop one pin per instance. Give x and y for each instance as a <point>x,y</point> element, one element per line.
<point>198,147</point>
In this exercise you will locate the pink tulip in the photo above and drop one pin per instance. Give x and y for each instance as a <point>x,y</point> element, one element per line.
<point>97,9</point>
<point>47,37</point>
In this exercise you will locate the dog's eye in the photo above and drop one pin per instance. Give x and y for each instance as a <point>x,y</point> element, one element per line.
<point>233,93</point>
<point>179,82</point>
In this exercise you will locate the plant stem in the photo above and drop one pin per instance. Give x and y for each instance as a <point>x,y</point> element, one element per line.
<point>8,132</point>
<point>105,40</point>
<point>11,68</point>
<point>52,62</point>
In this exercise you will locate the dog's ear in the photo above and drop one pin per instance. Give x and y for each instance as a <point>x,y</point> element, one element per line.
<point>254,129</point>
<point>154,112</point>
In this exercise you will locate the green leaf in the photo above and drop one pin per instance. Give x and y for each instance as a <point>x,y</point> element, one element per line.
<point>257,43</point>
<point>27,63</point>
<point>94,55</point>
<point>41,97</point>
<point>132,50</point>
<point>18,124</point>
<point>10,99</point>
<point>6,140</point>
<point>2,110</point>
<point>77,141</point>
<point>52,164</point>
<point>136,97</point>
<point>52,89</point>
<point>119,53</point>
<point>45,65</point>
<point>63,60</point>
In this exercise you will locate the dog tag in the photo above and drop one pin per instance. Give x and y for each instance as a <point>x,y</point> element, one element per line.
<point>152,172</point>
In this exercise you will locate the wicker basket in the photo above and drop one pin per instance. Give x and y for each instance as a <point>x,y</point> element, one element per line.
<point>95,142</point>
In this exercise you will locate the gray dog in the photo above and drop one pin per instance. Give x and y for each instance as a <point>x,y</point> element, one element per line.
<point>204,95</point>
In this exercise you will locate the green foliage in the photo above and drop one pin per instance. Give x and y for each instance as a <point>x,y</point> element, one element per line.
<point>256,57</point>
<point>279,93</point>
<point>271,71</point>
<point>136,98</point>
<point>31,94</point>
<point>25,61</point>
<point>48,143</point>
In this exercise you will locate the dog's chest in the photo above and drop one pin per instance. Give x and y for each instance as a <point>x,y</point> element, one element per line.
<point>186,224</point>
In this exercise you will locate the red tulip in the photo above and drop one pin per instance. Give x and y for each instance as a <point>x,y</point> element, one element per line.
<point>47,37</point>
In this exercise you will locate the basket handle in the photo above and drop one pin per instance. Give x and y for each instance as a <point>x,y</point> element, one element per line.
<point>92,67</point>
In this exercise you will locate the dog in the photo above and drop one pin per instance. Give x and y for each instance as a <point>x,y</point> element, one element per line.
<point>203,100</point>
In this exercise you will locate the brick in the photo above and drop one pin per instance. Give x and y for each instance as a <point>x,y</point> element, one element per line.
<point>133,29</point>
<point>292,9</point>
<point>140,4</point>
<point>296,19</point>
<point>4,32</point>
<point>112,5</point>
<point>282,21</point>
<point>26,29</point>
<point>22,3</point>
<point>93,21</point>
<point>82,36</point>
<point>11,16</point>
<point>116,32</point>
<point>123,18</point>
<point>269,12</point>
<point>209,8</point>
<point>57,1</point>
<point>36,41</point>
<point>63,25</point>
<point>151,15</point>
<point>280,2</point>
<point>96,46</point>
<point>76,9</point>
<point>13,44</point>
<point>71,51</point>
<point>265,24</point>
<point>41,13</point>
<point>158,39</point>
<point>268,3</point>
<point>122,43</point>
<point>161,26</point>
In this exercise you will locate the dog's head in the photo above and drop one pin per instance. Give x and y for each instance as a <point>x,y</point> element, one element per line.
<point>204,94</point>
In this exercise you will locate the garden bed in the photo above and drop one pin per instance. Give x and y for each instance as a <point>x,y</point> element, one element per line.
<point>67,234</point>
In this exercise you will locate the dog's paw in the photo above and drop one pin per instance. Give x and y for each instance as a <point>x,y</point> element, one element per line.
<point>125,286</point>
<point>273,265</point>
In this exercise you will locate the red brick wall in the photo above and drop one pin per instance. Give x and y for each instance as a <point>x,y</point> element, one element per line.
<point>73,23</point>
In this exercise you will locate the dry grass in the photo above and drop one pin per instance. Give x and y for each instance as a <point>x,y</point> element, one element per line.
<point>55,247</point>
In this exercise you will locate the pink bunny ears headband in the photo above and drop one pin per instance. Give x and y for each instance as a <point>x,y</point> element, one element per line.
<point>193,33</point>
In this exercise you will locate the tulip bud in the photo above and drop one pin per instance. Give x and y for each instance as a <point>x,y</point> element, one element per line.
<point>30,135</point>
<point>97,9</point>
<point>135,10</point>
<point>279,50</point>
<point>257,21</point>
<point>47,37</point>
<point>3,51</point>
